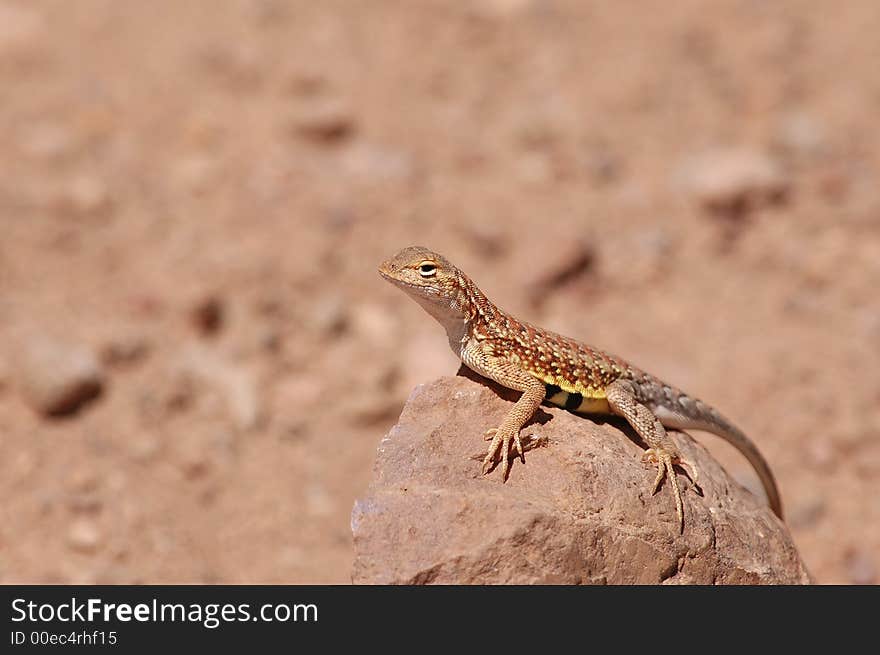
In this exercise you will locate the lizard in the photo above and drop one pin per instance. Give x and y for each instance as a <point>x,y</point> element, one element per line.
<point>549,367</point>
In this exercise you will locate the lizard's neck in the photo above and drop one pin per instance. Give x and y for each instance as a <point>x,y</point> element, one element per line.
<point>448,314</point>
<point>464,316</point>
<point>480,314</point>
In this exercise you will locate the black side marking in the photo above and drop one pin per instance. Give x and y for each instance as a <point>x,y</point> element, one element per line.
<point>573,401</point>
<point>552,390</point>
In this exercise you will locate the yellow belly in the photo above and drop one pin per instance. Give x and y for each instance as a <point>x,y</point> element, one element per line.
<point>575,399</point>
<point>578,404</point>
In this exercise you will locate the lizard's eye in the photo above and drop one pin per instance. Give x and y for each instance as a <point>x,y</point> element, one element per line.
<point>427,269</point>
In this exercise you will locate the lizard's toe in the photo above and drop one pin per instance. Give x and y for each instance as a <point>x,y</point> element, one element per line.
<point>518,449</point>
<point>492,454</point>
<point>664,460</point>
<point>499,451</point>
<point>652,458</point>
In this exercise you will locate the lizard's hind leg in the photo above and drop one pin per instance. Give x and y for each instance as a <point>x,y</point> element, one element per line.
<point>661,450</point>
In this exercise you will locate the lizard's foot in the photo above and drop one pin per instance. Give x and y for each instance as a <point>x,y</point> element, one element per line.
<point>664,460</point>
<point>491,435</point>
<point>501,442</point>
<point>529,442</point>
<point>650,457</point>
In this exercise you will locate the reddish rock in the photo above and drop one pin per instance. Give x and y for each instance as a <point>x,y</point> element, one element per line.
<point>58,378</point>
<point>325,123</point>
<point>208,314</point>
<point>733,181</point>
<point>579,511</point>
<point>84,536</point>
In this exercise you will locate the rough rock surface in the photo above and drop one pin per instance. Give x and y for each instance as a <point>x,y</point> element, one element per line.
<point>579,510</point>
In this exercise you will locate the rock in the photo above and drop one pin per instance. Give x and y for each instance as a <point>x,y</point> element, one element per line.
<point>84,536</point>
<point>83,492</point>
<point>579,510</point>
<point>208,314</point>
<point>733,181</point>
<point>58,378</point>
<point>324,122</point>
<point>235,384</point>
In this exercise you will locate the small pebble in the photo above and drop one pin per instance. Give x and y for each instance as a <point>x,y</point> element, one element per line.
<point>84,536</point>
<point>208,315</point>
<point>733,181</point>
<point>59,378</point>
<point>324,123</point>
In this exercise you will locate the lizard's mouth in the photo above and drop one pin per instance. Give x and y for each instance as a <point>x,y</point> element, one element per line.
<point>417,290</point>
<point>394,279</point>
<point>386,270</point>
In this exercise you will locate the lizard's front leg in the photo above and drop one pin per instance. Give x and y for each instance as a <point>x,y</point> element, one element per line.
<point>508,374</point>
<point>622,401</point>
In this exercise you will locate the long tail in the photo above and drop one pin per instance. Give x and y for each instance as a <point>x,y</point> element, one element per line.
<point>707,418</point>
<point>734,436</point>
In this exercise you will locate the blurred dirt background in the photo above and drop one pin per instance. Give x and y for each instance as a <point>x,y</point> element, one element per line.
<point>198,358</point>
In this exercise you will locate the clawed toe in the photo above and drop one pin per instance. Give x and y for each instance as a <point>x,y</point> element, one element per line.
<point>518,449</point>
<point>499,450</point>
<point>664,462</point>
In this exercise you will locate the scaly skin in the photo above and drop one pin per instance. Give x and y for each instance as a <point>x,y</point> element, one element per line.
<point>546,366</point>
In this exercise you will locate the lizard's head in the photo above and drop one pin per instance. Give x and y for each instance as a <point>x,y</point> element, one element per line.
<point>429,278</point>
